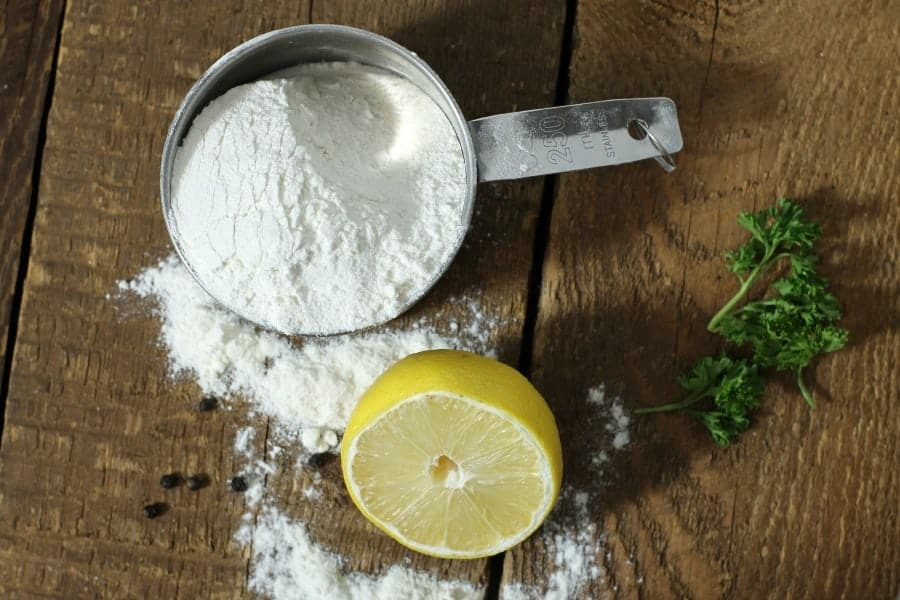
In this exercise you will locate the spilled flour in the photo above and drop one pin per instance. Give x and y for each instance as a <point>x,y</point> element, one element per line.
<point>573,549</point>
<point>287,564</point>
<point>612,409</point>
<point>618,421</point>
<point>308,390</point>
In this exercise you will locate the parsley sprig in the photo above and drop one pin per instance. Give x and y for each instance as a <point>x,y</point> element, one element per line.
<point>785,331</point>
<point>722,392</point>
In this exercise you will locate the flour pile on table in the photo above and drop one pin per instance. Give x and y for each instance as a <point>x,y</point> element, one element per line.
<point>287,564</point>
<point>309,390</point>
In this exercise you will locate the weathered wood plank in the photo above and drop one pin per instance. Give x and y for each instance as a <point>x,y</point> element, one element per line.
<point>28,31</point>
<point>92,420</point>
<point>784,101</point>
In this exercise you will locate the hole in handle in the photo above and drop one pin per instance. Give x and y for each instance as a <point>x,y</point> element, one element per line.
<point>637,129</point>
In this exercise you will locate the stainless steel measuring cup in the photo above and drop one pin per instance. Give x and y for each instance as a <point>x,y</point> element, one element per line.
<point>507,146</point>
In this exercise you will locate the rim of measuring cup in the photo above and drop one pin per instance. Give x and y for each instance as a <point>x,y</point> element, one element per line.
<point>190,108</point>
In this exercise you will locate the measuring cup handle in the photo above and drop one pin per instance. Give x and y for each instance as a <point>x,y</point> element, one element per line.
<point>574,137</point>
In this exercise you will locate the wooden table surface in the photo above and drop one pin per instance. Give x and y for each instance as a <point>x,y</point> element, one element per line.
<point>599,276</point>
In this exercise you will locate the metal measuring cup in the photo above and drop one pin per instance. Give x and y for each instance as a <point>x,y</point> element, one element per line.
<point>506,146</point>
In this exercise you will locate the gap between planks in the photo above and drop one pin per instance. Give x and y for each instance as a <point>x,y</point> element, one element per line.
<point>25,248</point>
<point>541,241</point>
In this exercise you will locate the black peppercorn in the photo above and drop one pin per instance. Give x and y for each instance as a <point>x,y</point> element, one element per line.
<point>239,484</point>
<point>207,404</point>
<point>151,511</point>
<point>319,460</point>
<point>196,482</point>
<point>170,480</point>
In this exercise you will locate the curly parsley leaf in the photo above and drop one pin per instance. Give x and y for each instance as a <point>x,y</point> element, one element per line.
<point>774,232</point>
<point>779,232</point>
<point>722,394</point>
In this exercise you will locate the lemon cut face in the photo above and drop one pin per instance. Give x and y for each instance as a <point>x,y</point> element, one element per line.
<point>453,455</point>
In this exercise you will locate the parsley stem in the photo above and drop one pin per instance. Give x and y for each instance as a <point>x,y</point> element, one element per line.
<point>804,390</point>
<point>746,284</point>
<point>674,405</point>
<point>729,306</point>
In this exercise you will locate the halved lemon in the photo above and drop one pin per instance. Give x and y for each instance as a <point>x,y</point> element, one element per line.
<point>453,454</point>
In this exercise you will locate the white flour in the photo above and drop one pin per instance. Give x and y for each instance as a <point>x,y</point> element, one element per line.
<point>286,564</point>
<point>617,421</point>
<point>308,390</point>
<point>322,199</point>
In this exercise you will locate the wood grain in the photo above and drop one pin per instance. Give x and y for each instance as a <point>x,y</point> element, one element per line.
<point>27,42</point>
<point>774,99</point>
<point>93,420</point>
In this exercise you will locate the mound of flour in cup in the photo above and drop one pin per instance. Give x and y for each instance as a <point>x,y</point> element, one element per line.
<point>324,198</point>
